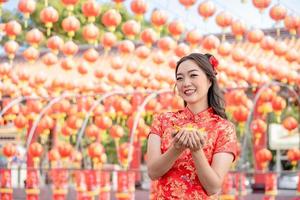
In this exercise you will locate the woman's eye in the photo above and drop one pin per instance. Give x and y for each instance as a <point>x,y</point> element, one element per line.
<point>194,75</point>
<point>179,78</point>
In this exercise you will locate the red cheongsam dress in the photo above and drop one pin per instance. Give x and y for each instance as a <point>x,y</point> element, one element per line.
<point>181,181</point>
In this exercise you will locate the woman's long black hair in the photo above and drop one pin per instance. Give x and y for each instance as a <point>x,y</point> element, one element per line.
<point>214,95</point>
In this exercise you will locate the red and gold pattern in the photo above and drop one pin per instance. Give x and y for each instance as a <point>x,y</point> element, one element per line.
<point>181,181</point>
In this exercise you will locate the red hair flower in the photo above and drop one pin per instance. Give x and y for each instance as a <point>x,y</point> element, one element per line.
<point>214,62</point>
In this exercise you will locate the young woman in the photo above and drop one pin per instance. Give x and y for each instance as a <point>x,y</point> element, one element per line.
<point>190,151</point>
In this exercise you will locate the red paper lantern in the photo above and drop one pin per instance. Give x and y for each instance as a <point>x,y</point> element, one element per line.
<point>148,36</point>
<point>263,157</point>
<point>10,48</point>
<point>70,48</point>
<point>90,33</point>
<point>31,54</point>
<point>12,29</point>
<point>267,43</point>
<point>280,48</point>
<point>238,55</point>
<point>176,28</point>
<point>9,150</point>
<point>35,149</point>
<point>116,131</point>
<point>224,19</point>
<point>166,44</point>
<point>291,23</point>
<point>103,122</point>
<point>193,38</point>
<point>49,16</point>
<point>26,7</point>
<point>206,9</point>
<point>159,18</point>
<point>142,52</point>
<point>91,55</point>
<point>67,64</point>
<point>290,123</point>
<point>34,37</point>
<point>55,44</point>
<point>255,36</point>
<point>182,50</point>
<point>65,150</point>
<point>238,28</point>
<point>126,47</point>
<point>224,49</point>
<point>83,68</point>
<point>261,4</point>
<point>108,40</point>
<point>131,28</point>
<point>111,19</point>
<point>49,59</point>
<point>277,12</point>
<point>187,3</point>
<point>71,24</point>
<point>90,9</point>
<point>210,42</point>
<point>139,8</point>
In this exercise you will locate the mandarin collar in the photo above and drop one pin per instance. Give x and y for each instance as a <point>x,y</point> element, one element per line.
<point>201,115</point>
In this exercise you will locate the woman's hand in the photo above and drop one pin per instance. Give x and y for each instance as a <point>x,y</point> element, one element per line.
<point>196,140</point>
<point>180,140</point>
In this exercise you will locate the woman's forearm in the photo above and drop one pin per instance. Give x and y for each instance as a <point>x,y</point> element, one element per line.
<point>208,178</point>
<point>160,165</point>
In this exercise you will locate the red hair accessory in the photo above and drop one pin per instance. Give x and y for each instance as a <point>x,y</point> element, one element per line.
<point>214,62</point>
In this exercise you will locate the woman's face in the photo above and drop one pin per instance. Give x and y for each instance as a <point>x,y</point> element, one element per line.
<point>192,83</point>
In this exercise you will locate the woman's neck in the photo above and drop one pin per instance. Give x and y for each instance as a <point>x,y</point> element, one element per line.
<point>198,107</point>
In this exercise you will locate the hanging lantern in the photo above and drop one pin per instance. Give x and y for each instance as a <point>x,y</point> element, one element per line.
<point>49,59</point>
<point>31,54</point>
<point>49,16</point>
<point>176,28</point>
<point>91,10</point>
<point>68,64</point>
<point>158,19</point>
<point>116,131</point>
<point>158,57</point>
<point>290,123</point>
<point>223,19</point>
<point>35,150</point>
<point>92,132</point>
<point>34,37</point>
<point>293,156</point>
<point>206,9</point>
<point>139,8</point>
<point>255,36</point>
<point>9,150</point>
<point>55,44</point>
<point>70,49</point>
<point>91,33</point>
<point>118,3</point>
<point>91,55</point>
<point>111,19</point>
<point>53,156</point>
<point>126,47</point>
<point>194,38</point>
<point>224,49</point>
<point>292,55</point>
<point>182,50</point>
<point>278,13</point>
<point>258,128</point>
<point>71,24</point>
<point>261,4</point>
<point>291,22</point>
<point>166,44</point>
<point>148,37</point>
<point>103,122</point>
<point>70,4</point>
<point>240,115</point>
<point>83,68</point>
<point>108,40</point>
<point>65,150</point>
<point>238,28</point>
<point>131,28</point>
<point>26,7</point>
<point>187,3</point>
<point>12,29</point>
<point>238,55</point>
<point>263,157</point>
<point>11,47</point>
<point>278,104</point>
<point>280,48</point>
<point>142,52</point>
<point>267,43</point>
<point>210,42</point>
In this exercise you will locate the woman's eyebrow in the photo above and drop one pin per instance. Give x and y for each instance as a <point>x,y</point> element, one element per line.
<point>193,70</point>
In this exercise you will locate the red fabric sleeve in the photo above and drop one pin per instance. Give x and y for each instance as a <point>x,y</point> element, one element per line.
<point>227,141</point>
<point>156,127</point>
